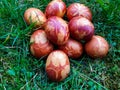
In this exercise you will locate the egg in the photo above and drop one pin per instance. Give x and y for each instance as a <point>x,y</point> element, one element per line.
<point>36,16</point>
<point>39,44</point>
<point>55,8</point>
<point>81,29</point>
<point>57,30</point>
<point>72,48</point>
<point>97,47</point>
<point>77,9</point>
<point>57,66</point>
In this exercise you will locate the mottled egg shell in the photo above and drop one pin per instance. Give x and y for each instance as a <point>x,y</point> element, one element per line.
<point>35,15</point>
<point>72,48</point>
<point>97,47</point>
<point>40,45</point>
<point>57,30</point>
<point>57,66</point>
<point>77,9</point>
<point>81,28</point>
<point>55,8</point>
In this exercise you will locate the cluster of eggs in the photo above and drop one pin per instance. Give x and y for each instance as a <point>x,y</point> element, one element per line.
<point>67,35</point>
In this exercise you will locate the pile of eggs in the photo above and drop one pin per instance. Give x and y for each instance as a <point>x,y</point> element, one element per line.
<point>61,39</point>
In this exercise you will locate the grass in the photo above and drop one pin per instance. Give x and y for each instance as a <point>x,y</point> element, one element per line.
<point>19,70</point>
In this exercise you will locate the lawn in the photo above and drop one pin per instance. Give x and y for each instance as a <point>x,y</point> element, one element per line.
<point>19,70</point>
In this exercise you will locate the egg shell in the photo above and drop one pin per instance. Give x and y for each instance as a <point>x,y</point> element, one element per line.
<point>97,47</point>
<point>40,45</point>
<point>55,8</point>
<point>77,9</point>
<point>35,15</point>
<point>81,28</point>
<point>72,48</point>
<point>57,66</point>
<point>57,30</point>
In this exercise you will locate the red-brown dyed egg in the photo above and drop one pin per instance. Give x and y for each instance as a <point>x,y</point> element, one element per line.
<point>72,48</point>
<point>57,66</point>
<point>77,9</point>
<point>57,30</point>
<point>40,45</point>
<point>55,8</point>
<point>81,28</point>
<point>34,15</point>
<point>97,47</point>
